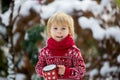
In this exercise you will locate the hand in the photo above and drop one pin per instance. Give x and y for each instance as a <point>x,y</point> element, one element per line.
<point>61,69</point>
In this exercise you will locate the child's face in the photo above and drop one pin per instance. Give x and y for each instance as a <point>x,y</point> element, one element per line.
<point>59,32</point>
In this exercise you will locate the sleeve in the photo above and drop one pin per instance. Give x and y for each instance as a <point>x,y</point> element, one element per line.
<point>41,63</point>
<point>78,70</point>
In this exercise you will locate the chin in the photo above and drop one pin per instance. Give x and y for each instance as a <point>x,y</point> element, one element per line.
<point>58,40</point>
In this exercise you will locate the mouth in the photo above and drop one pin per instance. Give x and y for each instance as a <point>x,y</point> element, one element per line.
<point>59,36</point>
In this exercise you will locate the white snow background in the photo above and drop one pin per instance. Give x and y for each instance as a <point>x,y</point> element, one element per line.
<point>68,6</point>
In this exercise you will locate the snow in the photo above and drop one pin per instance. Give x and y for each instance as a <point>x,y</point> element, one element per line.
<point>29,4</point>
<point>9,57</point>
<point>108,17</point>
<point>11,76</point>
<point>14,26</point>
<point>5,50</point>
<point>20,76</point>
<point>2,30</point>
<point>17,4</point>
<point>114,32</point>
<point>93,73</point>
<point>5,17</point>
<point>88,65</point>
<point>11,72</point>
<point>15,38</point>
<point>118,58</point>
<point>26,36</point>
<point>21,63</point>
<point>98,32</point>
<point>105,56</point>
<point>114,69</point>
<point>92,24</point>
<point>47,11</point>
<point>105,69</point>
<point>69,6</point>
<point>104,2</point>
<point>1,78</point>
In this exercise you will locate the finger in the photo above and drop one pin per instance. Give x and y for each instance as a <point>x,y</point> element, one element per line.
<point>59,65</point>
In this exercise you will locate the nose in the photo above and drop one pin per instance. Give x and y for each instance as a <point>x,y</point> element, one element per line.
<point>59,31</point>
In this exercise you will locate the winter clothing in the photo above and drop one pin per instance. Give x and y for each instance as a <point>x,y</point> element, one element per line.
<point>62,53</point>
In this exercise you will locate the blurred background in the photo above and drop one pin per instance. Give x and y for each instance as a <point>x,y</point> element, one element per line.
<point>22,35</point>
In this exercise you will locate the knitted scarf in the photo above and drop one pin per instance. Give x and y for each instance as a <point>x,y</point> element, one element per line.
<point>61,47</point>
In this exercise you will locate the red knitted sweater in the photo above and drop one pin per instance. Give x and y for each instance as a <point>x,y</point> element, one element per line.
<point>62,53</point>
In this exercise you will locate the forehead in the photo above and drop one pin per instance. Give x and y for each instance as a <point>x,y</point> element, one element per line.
<point>59,25</point>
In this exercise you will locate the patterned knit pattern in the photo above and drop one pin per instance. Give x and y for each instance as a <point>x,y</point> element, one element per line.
<point>72,60</point>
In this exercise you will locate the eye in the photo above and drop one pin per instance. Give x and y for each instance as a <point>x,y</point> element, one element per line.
<point>55,28</point>
<point>63,28</point>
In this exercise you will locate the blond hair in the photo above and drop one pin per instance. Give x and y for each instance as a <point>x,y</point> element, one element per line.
<point>61,18</point>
